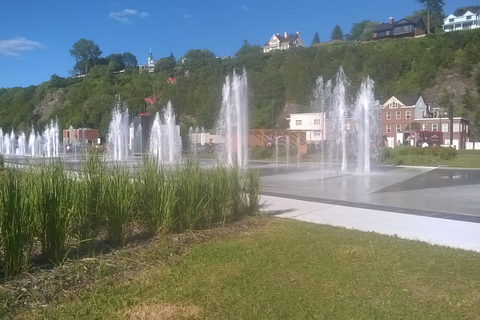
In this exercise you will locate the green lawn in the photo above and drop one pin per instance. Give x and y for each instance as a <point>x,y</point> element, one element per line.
<point>288,270</point>
<point>464,159</point>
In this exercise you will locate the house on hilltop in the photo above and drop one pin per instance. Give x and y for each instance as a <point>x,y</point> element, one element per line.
<point>468,20</point>
<point>399,29</point>
<point>286,42</point>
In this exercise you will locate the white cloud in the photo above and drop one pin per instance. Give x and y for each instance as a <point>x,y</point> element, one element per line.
<point>185,15</point>
<point>244,8</point>
<point>12,47</point>
<point>124,15</point>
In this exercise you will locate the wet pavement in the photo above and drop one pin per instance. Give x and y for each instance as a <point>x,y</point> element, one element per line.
<point>436,205</point>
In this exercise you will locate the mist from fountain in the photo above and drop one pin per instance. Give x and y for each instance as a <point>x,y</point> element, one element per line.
<point>331,99</point>
<point>46,144</point>
<point>165,144</point>
<point>233,121</point>
<point>118,135</point>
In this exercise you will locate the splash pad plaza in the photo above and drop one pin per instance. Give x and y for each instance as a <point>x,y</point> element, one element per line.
<point>343,180</point>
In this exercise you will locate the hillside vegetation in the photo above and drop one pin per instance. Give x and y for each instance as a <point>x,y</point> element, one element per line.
<point>278,79</point>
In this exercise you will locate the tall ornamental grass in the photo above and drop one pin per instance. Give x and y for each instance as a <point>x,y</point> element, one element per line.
<point>16,223</point>
<point>155,196</point>
<point>87,194</point>
<point>53,209</point>
<point>118,194</point>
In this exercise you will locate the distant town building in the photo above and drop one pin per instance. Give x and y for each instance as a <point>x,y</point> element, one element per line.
<point>284,42</point>
<point>398,29</point>
<point>150,66</point>
<point>401,120</point>
<point>468,20</point>
<point>80,137</point>
<point>408,119</point>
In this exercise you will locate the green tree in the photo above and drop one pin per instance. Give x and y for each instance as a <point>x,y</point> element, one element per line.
<point>461,11</point>
<point>316,38</point>
<point>129,60</point>
<point>85,52</point>
<point>434,9</point>
<point>166,65</point>
<point>115,62</point>
<point>337,33</point>
<point>362,31</point>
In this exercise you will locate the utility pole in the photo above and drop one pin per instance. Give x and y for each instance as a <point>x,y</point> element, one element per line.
<point>273,121</point>
<point>450,115</point>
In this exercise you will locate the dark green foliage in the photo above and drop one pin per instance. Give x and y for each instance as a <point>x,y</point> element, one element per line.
<point>85,52</point>
<point>434,19</point>
<point>461,11</point>
<point>337,33</point>
<point>316,38</point>
<point>398,66</point>
<point>408,155</point>
<point>362,31</point>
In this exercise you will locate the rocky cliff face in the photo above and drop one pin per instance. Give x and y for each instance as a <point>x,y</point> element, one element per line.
<point>44,108</point>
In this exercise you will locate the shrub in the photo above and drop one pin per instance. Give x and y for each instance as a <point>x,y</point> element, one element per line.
<point>259,153</point>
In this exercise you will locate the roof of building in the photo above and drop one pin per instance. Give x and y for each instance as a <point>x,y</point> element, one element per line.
<point>289,39</point>
<point>388,26</point>
<point>406,100</point>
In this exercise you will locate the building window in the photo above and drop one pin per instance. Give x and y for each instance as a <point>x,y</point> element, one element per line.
<point>434,126</point>
<point>389,128</point>
<point>456,127</point>
<point>424,127</point>
<point>408,114</point>
<point>451,20</point>
<point>379,115</point>
<point>393,105</point>
<point>316,122</point>
<point>389,115</point>
<point>469,17</point>
<point>399,128</point>
<point>444,127</point>
<point>317,133</point>
<point>399,115</point>
<point>298,122</point>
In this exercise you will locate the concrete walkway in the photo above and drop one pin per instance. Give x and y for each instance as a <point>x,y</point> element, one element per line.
<point>386,202</point>
<point>451,233</point>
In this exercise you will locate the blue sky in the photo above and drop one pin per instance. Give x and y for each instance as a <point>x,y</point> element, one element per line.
<point>36,35</point>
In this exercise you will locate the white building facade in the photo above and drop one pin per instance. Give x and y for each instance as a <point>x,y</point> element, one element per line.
<point>468,20</point>
<point>312,123</point>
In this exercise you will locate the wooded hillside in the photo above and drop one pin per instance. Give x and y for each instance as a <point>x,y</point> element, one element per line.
<point>398,66</point>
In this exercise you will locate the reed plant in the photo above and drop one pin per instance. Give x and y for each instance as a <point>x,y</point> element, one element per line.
<point>218,187</point>
<point>87,201</point>
<point>16,223</point>
<point>192,198</point>
<point>155,196</point>
<point>118,194</point>
<point>53,209</point>
<point>252,190</point>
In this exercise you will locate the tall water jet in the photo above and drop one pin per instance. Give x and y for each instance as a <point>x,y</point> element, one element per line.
<point>21,145</point>
<point>118,135</point>
<point>339,101</point>
<point>51,139</point>
<point>233,122</point>
<point>350,138</point>
<point>365,115</point>
<point>165,144</point>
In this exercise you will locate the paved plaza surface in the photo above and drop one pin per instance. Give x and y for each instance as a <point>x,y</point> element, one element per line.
<point>436,205</point>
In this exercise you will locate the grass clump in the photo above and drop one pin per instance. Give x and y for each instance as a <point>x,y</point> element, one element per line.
<point>59,213</point>
<point>409,155</point>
